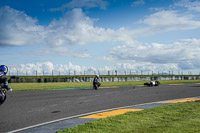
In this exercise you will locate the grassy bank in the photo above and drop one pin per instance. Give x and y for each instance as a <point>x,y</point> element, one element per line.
<point>173,118</point>
<point>42,86</point>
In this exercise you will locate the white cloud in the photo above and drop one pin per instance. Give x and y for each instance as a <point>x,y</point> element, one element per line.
<point>75,28</point>
<point>60,51</point>
<point>30,69</point>
<point>63,51</point>
<point>192,5</point>
<point>138,2</point>
<point>46,68</point>
<point>170,20</point>
<point>17,28</point>
<point>83,4</point>
<point>183,54</point>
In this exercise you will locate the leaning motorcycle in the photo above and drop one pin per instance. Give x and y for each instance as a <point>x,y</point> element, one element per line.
<point>2,95</point>
<point>152,83</point>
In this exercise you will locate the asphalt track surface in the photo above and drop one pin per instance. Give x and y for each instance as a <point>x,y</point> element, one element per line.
<point>27,108</point>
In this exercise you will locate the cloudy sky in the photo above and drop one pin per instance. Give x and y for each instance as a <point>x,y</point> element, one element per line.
<point>100,35</point>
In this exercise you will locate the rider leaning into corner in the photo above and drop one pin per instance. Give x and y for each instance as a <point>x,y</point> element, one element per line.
<point>4,78</point>
<point>96,83</point>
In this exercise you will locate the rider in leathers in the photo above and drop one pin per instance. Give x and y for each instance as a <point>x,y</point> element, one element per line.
<point>96,83</point>
<point>4,78</point>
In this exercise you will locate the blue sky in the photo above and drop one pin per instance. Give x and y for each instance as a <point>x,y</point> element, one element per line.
<point>100,35</point>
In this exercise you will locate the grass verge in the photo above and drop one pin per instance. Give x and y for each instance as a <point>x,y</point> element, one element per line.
<point>42,86</point>
<point>173,118</point>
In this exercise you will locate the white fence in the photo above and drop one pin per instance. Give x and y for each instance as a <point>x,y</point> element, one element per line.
<point>110,72</point>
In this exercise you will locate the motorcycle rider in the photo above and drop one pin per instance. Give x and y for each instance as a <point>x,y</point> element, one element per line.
<point>96,82</point>
<point>4,78</point>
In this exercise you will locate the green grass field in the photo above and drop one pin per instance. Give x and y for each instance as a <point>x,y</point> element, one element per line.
<point>58,85</point>
<point>173,118</point>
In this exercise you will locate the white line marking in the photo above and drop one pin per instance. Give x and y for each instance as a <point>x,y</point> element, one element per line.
<point>81,115</point>
<point>53,105</point>
<point>81,98</point>
<point>112,93</point>
<point>87,101</point>
<point>96,95</point>
<point>66,101</point>
<point>37,109</point>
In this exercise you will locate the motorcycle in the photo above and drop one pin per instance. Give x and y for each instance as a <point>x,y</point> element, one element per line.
<point>152,83</point>
<point>2,95</point>
<point>96,85</point>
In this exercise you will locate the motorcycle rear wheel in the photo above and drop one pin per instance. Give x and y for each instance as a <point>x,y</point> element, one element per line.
<point>3,100</point>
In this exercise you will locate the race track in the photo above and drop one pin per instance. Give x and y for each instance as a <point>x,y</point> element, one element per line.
<point>27,108</point>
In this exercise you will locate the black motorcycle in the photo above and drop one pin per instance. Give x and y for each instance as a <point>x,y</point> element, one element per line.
<point>96,85</point>
<point>152,83</point>
<point>2,95</point>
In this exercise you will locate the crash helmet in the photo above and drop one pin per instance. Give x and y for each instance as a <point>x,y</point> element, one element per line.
<point>97,76</point>
<point>4,68</point>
